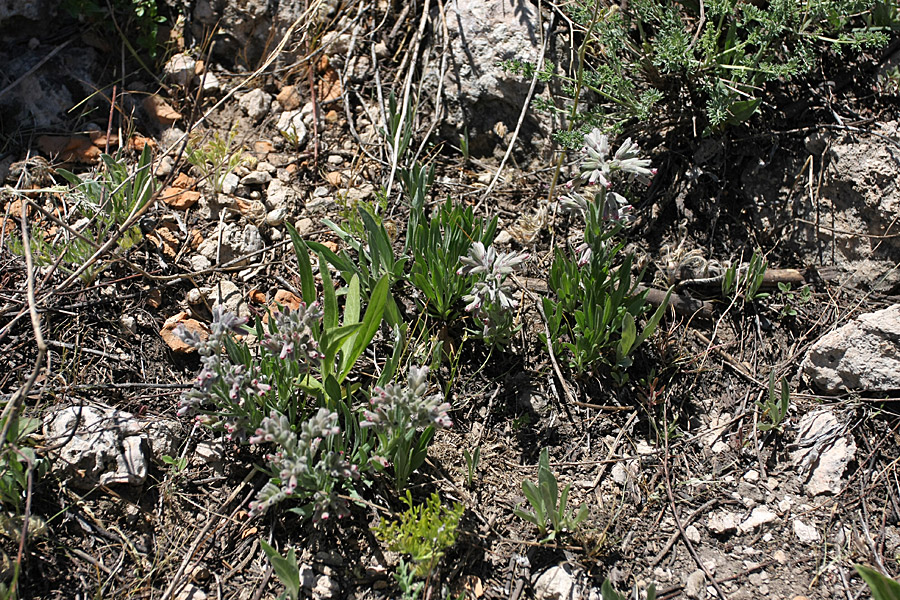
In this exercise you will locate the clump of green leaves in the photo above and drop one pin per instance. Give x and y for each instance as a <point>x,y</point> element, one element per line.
<point>550,512</point>
<point>423,531</point>
<point>792,299</point>
<point>745,281</point>
<point>17,459</point>
<point>214,157</point>
<point>105,200</point>
<point>437,245</point>
<point>286,569</point>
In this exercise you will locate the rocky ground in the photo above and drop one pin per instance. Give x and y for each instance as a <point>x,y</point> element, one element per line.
<point>685,490</point>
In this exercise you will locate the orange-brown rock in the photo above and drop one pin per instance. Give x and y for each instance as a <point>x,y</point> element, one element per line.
<point>160,110</point>
<point>288,98</point>
<point>173,341</point>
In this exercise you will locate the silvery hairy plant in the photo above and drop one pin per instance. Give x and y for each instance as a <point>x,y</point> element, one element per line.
<point>490,300</point>
<point>404,419</point>
<point>237,388</point>
<point>304,466</point>
<point>594,313</point>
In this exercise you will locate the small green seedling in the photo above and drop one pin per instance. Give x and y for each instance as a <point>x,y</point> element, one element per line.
<point>776,408</point>
<point>550,514</point>
<point>472,460</point>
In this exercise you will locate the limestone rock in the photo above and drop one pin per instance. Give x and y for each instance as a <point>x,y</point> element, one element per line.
<point>556,583</point>
<point>180,69</point>
<point>291,126</point>
<point>823,452</point>
<point>695,585</point>
<point>758,517</point>
<point>480,94</point>
<point>227,295</point>
<point>256,104</point>
<point>805,533</point>
<point>235,242</point>
<point>279,195</point>
<point>862,355</point>
<point>722,522</point>
<point>103,445</point>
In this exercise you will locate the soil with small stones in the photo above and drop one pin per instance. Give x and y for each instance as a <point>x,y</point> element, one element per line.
<point>659,462</point>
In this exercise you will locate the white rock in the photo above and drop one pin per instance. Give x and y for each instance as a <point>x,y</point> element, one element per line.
<point>230,183</point>
<point>695,585</point>
<point>190,592</point>
<point>256,104</point>
<point>504,237</point>
<point>279,194</point>
<point>692,534</point>
<point>101,445</point>
<point>785,504</point>
<point>326,587</point>
<point>759,516</point>
<point>211,83</point>
<point>806,533</point>
<point>722,522</point>
<point>256,178</point>
<point>291,126</point>
<point>644,449</point>
<point>619,474</point>
<point>235,242</point>
<point>194,296</point>
<point>128,323</point>
<point>751,475</point>
<point>200,262</point>
<point>276,217</point>
<point>180,69</point>
<point>862,355</point>
<point>556,583</point>
<point>824,452</point>
<point>229,296</point>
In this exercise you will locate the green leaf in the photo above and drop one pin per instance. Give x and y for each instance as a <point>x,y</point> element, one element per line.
<point>352,305</point>
<point>741,110</point>
<point>881,586</point>
<point>356,345</point>
<point>629,336</point>
<point>285,568</point>
<point>329,298</point>
<point>335,337</point>
<point>654,320</point>
<point>307,281</point>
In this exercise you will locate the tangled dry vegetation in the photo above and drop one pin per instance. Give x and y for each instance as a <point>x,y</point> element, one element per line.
<point>474,299</point>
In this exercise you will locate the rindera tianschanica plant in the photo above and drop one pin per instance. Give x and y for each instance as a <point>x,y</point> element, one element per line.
<point>593,317</point>
<point>437,247</point>
<point>404,420</point>
<point>305,467</point>
<point>550,512</point>
<point>491,302</point>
